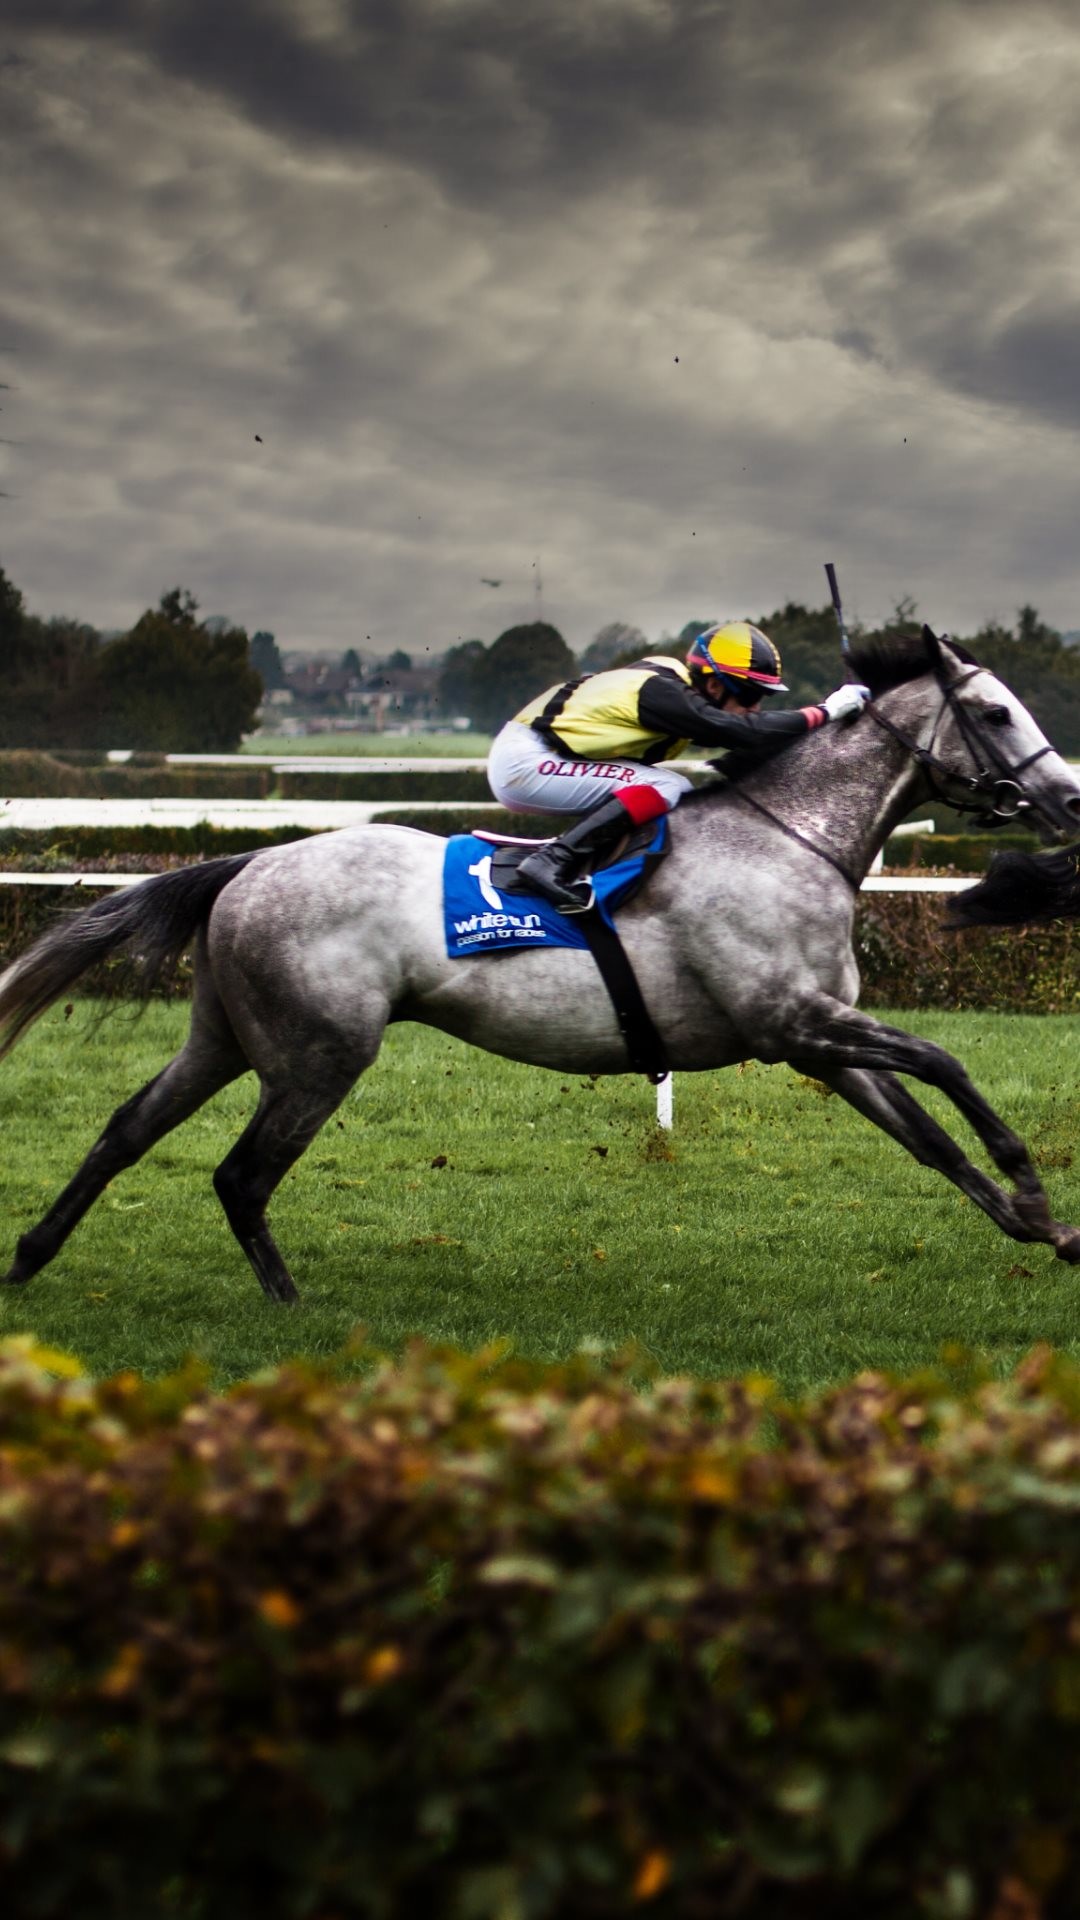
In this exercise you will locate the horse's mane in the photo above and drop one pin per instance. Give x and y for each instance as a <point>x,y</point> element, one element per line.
<point>890,659</point>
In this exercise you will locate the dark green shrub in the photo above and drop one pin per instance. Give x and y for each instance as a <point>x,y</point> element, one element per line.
<point>906,959</point>
<point>953,852</point>
<point>32,775</point>
<point>461,783</point>
<point>493,819</point>
<point>40,776</point>
<point>60,848</point>
<point>471,1637</point>
<point>179,783</point>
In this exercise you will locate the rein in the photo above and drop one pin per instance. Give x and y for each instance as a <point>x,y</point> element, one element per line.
<point>983,781</point>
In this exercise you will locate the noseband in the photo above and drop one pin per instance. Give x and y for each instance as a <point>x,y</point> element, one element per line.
<point>1001,787</point>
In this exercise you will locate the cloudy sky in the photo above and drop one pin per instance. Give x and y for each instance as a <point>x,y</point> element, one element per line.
<point>328,309</point>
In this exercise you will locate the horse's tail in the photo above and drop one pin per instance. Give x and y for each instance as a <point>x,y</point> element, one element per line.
<point>1021,886</point>
<point>155,920</point>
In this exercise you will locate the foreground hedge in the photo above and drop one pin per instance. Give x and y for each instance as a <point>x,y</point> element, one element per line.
<point>478,1638</point>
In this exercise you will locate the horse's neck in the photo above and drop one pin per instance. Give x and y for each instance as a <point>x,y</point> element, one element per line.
<point>850,786</point>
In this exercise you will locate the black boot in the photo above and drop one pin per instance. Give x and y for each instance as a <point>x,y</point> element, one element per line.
<point>552,870</point>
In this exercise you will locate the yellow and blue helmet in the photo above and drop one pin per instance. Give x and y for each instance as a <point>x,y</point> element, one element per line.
<point>744,657</point>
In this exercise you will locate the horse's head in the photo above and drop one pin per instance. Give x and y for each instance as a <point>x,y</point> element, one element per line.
<point>981,749</point>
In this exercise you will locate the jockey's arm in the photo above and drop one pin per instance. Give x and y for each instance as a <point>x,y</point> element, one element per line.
<point>666,706</point>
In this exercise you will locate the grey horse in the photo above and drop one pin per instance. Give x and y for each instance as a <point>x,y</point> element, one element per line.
<point>741,942</point>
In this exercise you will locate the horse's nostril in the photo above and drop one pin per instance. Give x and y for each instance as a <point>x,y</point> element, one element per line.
<point>1072,804</point>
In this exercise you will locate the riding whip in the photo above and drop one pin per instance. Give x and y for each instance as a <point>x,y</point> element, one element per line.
<point>845,642</point>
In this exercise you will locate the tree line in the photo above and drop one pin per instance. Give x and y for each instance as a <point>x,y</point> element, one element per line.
<point>170,684</point>
<point>175,683</point>
<point>491,683</point>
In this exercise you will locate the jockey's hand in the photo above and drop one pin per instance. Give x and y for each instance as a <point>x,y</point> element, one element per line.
<point>846,703</point>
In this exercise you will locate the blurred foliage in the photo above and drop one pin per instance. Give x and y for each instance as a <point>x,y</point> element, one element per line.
<point>266,660</point>
<point>35,774</point>
<point>174,684</point>
<point>171,683</point>
<point>491,684</point>
<point>473,1636</point>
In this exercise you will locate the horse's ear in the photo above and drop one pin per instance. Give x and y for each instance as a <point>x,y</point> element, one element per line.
<point>933,648</point>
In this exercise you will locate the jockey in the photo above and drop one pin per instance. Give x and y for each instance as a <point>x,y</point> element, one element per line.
<point>597,745</point>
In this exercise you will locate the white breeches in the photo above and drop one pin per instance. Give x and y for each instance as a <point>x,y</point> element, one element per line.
<point>529,776</point>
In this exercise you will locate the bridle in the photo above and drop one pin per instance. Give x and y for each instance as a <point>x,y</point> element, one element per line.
<point>1001,787</point>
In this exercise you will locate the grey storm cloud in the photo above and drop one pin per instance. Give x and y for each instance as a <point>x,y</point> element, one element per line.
<point>686,295</point>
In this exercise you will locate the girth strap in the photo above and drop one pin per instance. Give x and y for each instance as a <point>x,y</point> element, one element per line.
<point>643,1043</point>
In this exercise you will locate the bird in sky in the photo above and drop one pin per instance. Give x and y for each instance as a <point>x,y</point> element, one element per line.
<point>259,438</point>
<point>490,583</point>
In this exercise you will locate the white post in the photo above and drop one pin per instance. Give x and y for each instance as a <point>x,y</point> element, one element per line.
<point>665,1100</point>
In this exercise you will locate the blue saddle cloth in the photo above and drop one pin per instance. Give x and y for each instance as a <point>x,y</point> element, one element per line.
<point>482,919</point>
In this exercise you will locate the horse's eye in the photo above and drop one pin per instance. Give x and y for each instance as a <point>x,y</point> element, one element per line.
<point>997,716</point>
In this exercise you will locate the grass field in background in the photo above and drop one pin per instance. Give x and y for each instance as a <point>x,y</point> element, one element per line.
<point>374,746</point>
<point>773,1230</point>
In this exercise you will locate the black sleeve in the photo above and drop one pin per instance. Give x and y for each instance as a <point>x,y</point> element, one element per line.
<point>665,705</point>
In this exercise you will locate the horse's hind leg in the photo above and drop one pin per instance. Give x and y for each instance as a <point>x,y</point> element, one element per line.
<point>284,1124</point>
<point>207,1063</point>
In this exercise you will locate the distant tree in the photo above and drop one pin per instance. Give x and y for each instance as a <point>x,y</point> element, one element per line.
<point>46,667</point>
<point>1042,671</point>
<point>398,662</point>
<point>689,633</point>
<point>179,607</point>
<point>266,660</point>
<point>458,678</point>
<point>172,684</point>
<point>517,666</point>
<point>489,684</point>
<point>615,642</point>
<point>352,663</point>
<point>12,615</point>
<point>1033,632</point>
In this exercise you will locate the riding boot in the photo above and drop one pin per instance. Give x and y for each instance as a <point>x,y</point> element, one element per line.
<point>554,868</point>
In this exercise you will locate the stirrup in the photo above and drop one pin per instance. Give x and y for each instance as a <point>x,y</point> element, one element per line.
<point>586,905</point>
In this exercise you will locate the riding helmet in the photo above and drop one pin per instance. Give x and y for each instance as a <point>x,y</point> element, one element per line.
<point>745,659</point>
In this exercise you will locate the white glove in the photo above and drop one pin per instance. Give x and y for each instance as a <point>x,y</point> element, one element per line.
<point>846,702</point>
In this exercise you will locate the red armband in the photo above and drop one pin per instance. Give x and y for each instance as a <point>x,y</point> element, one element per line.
<point>814,716</point>
<point>641,803</point>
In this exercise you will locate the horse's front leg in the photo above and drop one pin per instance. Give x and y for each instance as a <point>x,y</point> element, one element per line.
<point>858,1056</point>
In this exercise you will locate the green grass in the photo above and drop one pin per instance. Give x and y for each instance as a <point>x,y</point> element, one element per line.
<point>774,1230</point>
<point>379,746</point>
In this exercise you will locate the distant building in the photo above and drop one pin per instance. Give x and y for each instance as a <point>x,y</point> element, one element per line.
<point>327,695</point>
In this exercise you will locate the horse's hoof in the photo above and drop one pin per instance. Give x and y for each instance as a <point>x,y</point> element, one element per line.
<point>14,1278</point>
<point>1067,1245</point>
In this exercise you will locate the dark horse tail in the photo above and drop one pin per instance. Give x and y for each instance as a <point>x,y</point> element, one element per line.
<point>1021,886</point>
<point>155,920</point>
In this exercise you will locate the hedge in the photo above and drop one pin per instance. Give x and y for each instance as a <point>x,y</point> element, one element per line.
<point>59,849</point>
<point>907,959</point>
<point>25,775</point>
<point>463,783</point>
<point>490,1640</point>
